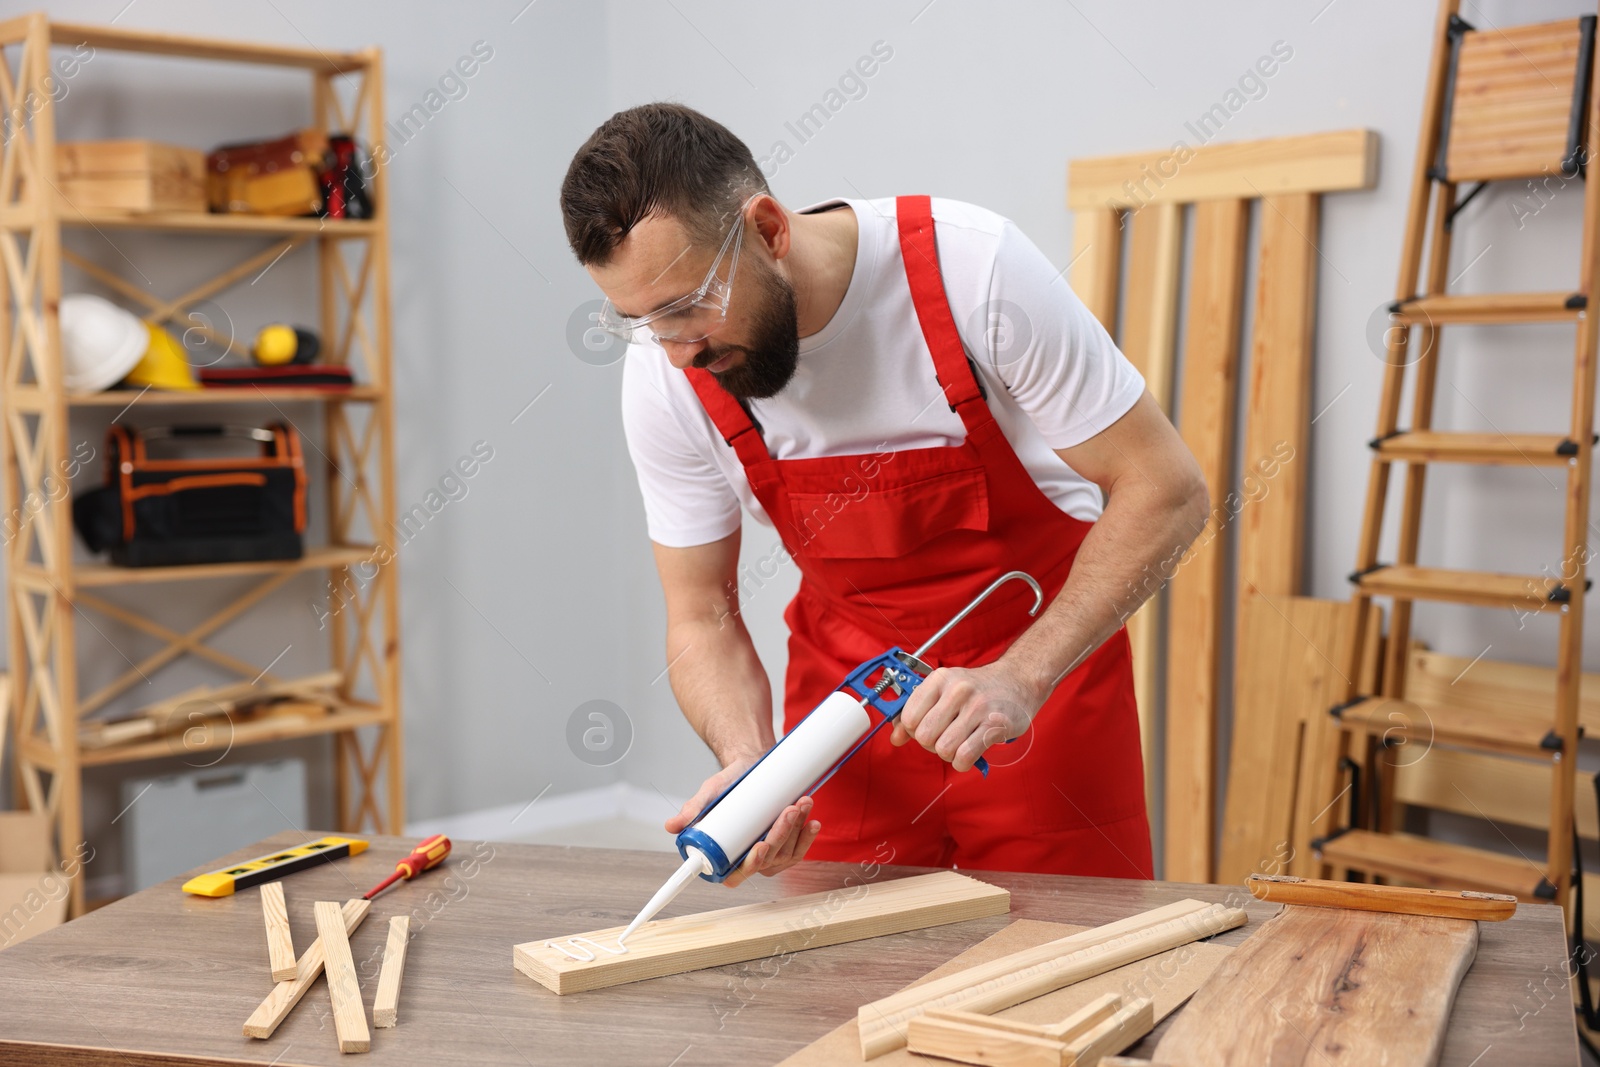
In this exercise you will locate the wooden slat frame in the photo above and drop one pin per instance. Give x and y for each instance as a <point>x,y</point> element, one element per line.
<point>1286,176</point>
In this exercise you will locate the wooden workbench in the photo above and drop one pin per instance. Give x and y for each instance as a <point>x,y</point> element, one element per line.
<point>164,978</point>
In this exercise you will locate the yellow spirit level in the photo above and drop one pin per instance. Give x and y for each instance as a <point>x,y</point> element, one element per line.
<point>272,866</point>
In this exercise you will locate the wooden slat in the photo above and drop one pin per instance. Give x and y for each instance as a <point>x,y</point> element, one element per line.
<point>1436,864</point>
<point>1097,263</point>
<point>1525,593</point>
<point>284,996</point>
<point>1150,312</point>
<point>1194,599</point>
<point>1498,449</point>
<point>1149,329</point>
<point>280,944</point>
<point>753,931</point>
<point>344,989</point>
<point>1321,162</point>
<point>386,1003</point>
<point>1277,422</point>
<point>1316,986</point>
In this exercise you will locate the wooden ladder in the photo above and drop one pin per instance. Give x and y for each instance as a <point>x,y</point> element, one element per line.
<point>1504,104</point>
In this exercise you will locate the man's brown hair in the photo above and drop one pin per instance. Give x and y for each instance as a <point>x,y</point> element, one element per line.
<point>656,159</point>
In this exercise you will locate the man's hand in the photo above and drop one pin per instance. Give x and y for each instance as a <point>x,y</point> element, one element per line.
<point>785,844</point>
<point>959,713</point>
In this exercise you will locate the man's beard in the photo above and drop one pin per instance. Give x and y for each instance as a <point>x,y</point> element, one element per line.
<point>773,354</point>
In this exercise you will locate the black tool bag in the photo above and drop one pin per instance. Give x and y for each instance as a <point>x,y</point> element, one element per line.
<point>192,509</point>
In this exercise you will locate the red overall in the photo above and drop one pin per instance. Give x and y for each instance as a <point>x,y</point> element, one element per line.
<point>890,546</point>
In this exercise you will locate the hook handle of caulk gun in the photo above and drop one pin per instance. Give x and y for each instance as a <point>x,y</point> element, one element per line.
<point>980,763</point>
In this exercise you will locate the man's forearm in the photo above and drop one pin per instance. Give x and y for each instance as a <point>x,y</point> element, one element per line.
<point>1129,553</point>
<point>721,686</point>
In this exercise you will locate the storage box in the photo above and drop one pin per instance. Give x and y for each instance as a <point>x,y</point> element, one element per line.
<point>177,823</point>
<point>33,892</point>
<point>131,176</point>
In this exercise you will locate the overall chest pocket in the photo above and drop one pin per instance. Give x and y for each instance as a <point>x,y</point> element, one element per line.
<point>874,519</point>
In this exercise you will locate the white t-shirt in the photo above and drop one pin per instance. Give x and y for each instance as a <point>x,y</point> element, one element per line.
<point>865,382</point>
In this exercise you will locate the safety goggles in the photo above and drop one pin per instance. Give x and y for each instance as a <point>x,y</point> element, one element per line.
<point>689,318</point>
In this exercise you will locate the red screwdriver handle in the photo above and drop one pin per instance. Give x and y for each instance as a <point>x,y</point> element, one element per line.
<point>425,857</point>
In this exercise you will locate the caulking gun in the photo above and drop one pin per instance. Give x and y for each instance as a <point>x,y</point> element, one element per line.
<point>716,842</point>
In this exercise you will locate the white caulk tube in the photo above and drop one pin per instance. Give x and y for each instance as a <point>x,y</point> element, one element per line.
<point>748,810</point>
<point>743,815</point>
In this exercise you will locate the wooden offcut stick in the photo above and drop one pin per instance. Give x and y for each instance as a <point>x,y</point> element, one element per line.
<point>386,1005</point>
<point>349,1014</point>
<point>1402,900</point>
<point>280,943</point>
<point>271,1012</point>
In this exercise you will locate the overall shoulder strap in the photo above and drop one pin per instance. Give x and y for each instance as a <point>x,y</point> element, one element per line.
<point>957,377</point>
<point>729,417</point>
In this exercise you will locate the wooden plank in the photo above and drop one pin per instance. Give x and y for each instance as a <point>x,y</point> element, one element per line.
<point>1169,979</point>
<point>1321,985</point>
<point>1291,653</point>
<point>1097,263</point>
<point>1194,598</point>
<point>1278,419</point>
<point>883,1023</point>
<point>349,1014</point>
<point>280,943</point>
<point>1279,166</point>
<point>752,931</point>
<point>386,1005</point>
<point>281,1001</point>
<point>1149,329</point>
<point>1398,900</point>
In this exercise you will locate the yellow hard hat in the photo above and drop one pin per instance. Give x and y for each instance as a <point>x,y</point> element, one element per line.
<point>165,365</point>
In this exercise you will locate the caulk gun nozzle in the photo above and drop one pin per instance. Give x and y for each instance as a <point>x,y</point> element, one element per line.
<point>695,864</point>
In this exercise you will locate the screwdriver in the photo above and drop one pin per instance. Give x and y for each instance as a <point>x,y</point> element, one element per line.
<point>424,857</point>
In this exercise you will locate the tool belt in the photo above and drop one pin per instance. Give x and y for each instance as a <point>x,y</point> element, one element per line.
<point>164,512</point>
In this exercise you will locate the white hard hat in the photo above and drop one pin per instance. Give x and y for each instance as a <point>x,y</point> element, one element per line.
<point>100,342</point>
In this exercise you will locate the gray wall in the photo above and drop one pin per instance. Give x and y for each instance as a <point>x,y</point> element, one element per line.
<point>536,593</point>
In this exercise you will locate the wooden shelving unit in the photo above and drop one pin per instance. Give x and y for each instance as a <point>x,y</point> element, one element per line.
<point>47,592</point>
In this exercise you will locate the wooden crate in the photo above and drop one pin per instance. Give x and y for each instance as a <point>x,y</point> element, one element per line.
<point>132,176</point>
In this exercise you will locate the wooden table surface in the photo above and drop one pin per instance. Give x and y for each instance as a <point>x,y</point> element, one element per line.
<point>165,978</point>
